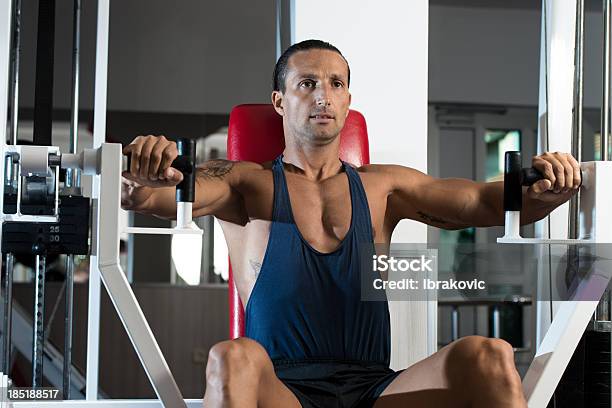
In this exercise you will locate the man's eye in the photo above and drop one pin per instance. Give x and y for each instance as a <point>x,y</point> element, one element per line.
<point>307,84</point>
<point>338,84</point>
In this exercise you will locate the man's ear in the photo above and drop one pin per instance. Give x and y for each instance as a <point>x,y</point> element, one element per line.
<point>277,102</point>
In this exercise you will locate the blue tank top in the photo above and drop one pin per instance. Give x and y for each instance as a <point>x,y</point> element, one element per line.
<point>306,305</point>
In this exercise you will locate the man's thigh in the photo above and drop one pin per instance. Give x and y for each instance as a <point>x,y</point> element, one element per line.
<point>273,393</point>
<point>425,384</point>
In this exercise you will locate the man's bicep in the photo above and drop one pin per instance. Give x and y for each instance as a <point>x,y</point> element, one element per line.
<point>404,184</point>
<point>217,188</point>
<point>438,202</point>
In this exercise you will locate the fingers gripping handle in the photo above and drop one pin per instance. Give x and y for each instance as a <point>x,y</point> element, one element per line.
<point>530,176</point>
<point>515,176</point>
<point>185,163</point>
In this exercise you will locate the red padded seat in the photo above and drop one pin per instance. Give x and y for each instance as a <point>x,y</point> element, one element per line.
<point>256,134</point>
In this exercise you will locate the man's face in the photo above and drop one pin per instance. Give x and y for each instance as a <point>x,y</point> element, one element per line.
<point>316,100</point>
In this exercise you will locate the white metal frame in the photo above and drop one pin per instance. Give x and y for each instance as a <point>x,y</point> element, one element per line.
<point>572,317</point>
<point>104,261</point>
<point>105,251</point>
<point>99,135</point>
<point>5,52</point>
<point>559,334</point>
<point>31,155</point>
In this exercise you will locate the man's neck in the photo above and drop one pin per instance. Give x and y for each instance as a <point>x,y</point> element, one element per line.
<point>313,162</point>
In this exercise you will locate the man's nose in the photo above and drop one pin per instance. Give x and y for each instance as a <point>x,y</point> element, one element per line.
<point>322,101</point>
<point>322,96</point>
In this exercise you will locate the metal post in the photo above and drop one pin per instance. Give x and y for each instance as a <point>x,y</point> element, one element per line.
<point>602,313</point>
<point>68,326</point>
<point>74,106</point>
<point>73,185</point>
<point>14,84</point>
<point>10,166</point>
<point>100,92</point>
<point>8,313</point>
<point>285,23</point>
<point>578,109</point>
<point>573,259</point>
<point>278,34</point>
<point>39,313</point>
<point>454,323</point>
<point>8,171</point>
<point>605,106</point>
<point>496,322</point>
<point>5,47</point>
<point>14,74</point>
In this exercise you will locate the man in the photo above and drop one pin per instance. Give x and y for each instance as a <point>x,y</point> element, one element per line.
<point>293,227</point>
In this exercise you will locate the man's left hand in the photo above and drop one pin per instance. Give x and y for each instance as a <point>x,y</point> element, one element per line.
<point>561,177</point>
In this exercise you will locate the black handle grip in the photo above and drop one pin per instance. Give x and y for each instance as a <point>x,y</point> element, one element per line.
<point>185,163</point>
<point>513,194</point>
<point>185,190</point>
<point>515,176</point>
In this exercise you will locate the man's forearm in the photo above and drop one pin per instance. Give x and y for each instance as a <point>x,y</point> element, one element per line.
<point>532,210</point>
<point>159,202</point>
<point>162,203</point>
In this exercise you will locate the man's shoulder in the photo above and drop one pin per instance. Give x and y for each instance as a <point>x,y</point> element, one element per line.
<point>249,165</point>
<point>234,172</point>
<point>372,168</point>
<point>383,169</point>
<point>395,175</point>
<point>375,175</point>
<point>234,165</point>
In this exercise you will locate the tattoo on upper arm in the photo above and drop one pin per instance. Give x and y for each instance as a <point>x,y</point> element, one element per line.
<point>431,218</point>
<point>216,168</point>
<point>255,266</point>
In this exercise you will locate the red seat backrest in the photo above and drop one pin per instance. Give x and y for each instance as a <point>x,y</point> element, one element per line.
<point>256,134</point>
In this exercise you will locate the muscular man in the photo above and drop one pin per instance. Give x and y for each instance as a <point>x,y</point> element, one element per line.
<point>293,227</point>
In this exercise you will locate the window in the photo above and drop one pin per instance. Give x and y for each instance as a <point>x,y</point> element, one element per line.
<point>498,142</point>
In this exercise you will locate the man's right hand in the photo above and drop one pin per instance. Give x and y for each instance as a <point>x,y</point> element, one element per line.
<point>151,158</point>
<point>149,185</point>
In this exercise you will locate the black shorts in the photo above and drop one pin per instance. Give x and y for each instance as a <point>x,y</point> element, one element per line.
<point>334,383</point>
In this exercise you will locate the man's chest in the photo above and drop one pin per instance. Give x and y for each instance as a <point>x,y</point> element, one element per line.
<point>322,211</point>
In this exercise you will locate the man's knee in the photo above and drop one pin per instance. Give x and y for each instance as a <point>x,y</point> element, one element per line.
<point>492,359</point>
<point>239,359</point>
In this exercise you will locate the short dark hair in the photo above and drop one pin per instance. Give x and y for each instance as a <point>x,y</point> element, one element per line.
<point>280,70</point>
